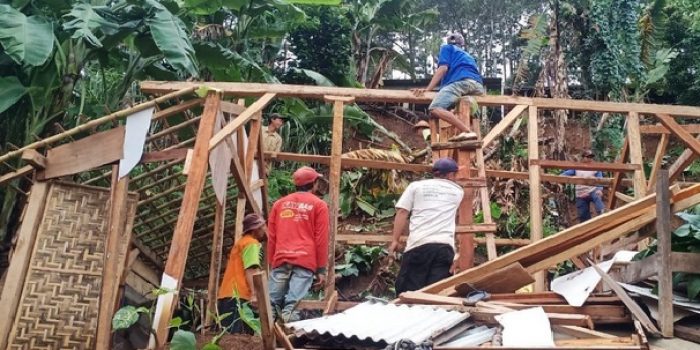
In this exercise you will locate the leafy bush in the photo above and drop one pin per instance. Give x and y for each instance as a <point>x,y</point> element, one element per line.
<point>359,259</point>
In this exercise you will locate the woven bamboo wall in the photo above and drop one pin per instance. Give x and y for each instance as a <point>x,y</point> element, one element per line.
<point>60,299</point>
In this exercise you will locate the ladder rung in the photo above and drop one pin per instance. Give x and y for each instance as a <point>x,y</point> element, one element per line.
<point>472,182</point>
<point>470,144</point>
<point>476,228</point>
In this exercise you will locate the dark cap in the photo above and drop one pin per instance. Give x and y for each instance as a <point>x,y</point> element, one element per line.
<point>252,221</point>
<point>278,116</point>
<point>588,153</point>
<point>445,165</point>
<point>455,38</point>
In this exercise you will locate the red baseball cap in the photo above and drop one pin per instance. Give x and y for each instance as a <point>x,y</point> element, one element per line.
<point>305,175</point>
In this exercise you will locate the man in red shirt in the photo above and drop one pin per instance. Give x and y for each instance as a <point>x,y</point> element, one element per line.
<point>297,245</point>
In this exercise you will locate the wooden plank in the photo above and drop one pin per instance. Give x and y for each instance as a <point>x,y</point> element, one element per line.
<point>472,182</point>
<point>240,120</point>
<point>505,280</point>
<point>331,303</point>
<point>663,237</point>
<point>177,109</point>
<point>251,149</point>
<point>497,130</point>
<point>110,276</point>
<point>231,108</point>
<point>217,246</point>
<point>687,332</point>
<point>559,164</point>
<point>684,199</point>
<point>34,158</point>
<point>631,304</point>
<point>240,215</point>
<point>581,332</point>
<point>660,129</point>
<point>282,338</point>
<point>386,95</point>
<point>334,193</point>
<point>161,156</point>
<point>535,189</point>
<point>379,238</point>
<point>243,186</point>
<point>336,98</point>
<point>266,319</point>
<point>617,176</point>
<point>23,171</point>
<point>19,263</point>
<point>677,130</point>
<point>635,147</point>
<point>682,162</point>
<point>600,314</point>
<point>658,159</point>
<point>484,196</point>
<point>636,271</point>
<point>182,235</point>
<point>551,298</point>
<point>685,262</point>
<point>465,212</point>
<point>463,145</point>
<point>475,228</point>
<point>85,154</point>
<point>623,197</point>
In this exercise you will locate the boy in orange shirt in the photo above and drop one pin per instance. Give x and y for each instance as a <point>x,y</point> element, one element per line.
<point>237,285</point>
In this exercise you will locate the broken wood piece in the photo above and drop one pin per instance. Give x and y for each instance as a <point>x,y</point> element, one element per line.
<point>331,303</point>
<point>34,158</point>
<point>188,162</point>
<point>505,280</point>
<point>85,154</point>
<point>25,170</point>
<point>631,304</point>
<point>282,338</point>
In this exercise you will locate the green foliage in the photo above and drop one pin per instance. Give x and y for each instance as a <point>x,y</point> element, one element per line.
<point>370,193</point>
<point>322,44</point>
<point>28,40</point>
<point>86,19</point>
<point>248,316</point>
<point>171,38</point>
<point>127,316</point>
<point>183,340</point>
<point>11,90</point>
<point>359,259</point>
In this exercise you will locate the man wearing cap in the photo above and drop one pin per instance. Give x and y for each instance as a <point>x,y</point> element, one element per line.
<point>457,75</point>
<point>272,141</point>
<point>297,247</point>
<point>429,209</point>
<point>586,194</point>
<point>237,285</point>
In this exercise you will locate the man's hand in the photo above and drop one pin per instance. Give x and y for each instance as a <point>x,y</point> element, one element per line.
<point>320,281</point>
<point>455,267</point>
<point>393,247</point>
<point>419,92</point>
<point>254,303</point>
<point>599,192</point>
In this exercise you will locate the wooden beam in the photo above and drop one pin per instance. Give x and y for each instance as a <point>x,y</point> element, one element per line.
<point>617,176</point>
<point>178,108</point>
<point>182,235</point>
<point>677,130</point>
<point>243,186</point>
<point>231,108</point>
<point>636,158</point>
<point>385,95</point>
<point>491,252</point>
<point>631,304</point>
<point>663,236</point>
<point>334,193</point>
<point>658,159</point>
<point>362,238</point>
<point>266,320</point>
<point>240,120</point>
<point>19,264</point>
<point>161,156</point>
<point>623,197</point>
<point>533,152</point>
<point>85,154</point>
<point>558,164</point>
<point>110,273</point>
<point>217,245</point>
<point>660,129</point>
<point>331,303</point>
<point>251,149</point>
<point>505,122</point>
<point>34,158</point>
<point>682,162</point>
<point>23,171</point>
<point>462,145</point>
<point>465,245</point>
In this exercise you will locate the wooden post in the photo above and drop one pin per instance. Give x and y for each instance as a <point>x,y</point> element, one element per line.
<point>635,149</point>
<point>217,244</point>
<point>240,215</point>
<point>484,196</point>
<point>110,272</point>
<point>182,235</point>
<point>658,158</point>
<point>334,188</point>
<point>533,152</point>
<point>267,325</point>
<point>663,235</point>
<point>465,212</point>
<point>19,263</point>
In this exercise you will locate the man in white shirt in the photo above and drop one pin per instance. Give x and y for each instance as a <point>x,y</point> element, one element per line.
<point>429,209</point>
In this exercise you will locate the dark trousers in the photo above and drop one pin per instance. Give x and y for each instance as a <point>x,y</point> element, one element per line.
<point>424,265</point>
<point>233,322</point>
<point>583,206</point>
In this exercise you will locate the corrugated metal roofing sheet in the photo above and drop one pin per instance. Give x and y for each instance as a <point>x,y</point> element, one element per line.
<point>380,324</point>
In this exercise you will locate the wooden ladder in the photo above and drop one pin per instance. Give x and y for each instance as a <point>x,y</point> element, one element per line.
<point>464,152</point>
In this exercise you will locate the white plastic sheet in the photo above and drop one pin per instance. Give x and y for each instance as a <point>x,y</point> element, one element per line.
<point>137,126</point>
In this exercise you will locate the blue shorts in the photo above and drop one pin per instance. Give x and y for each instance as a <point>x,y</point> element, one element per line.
<point>448,96</point>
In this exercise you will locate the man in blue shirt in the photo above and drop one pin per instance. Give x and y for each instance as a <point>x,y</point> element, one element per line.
<point>458,75</point>
<point>586,194</point>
